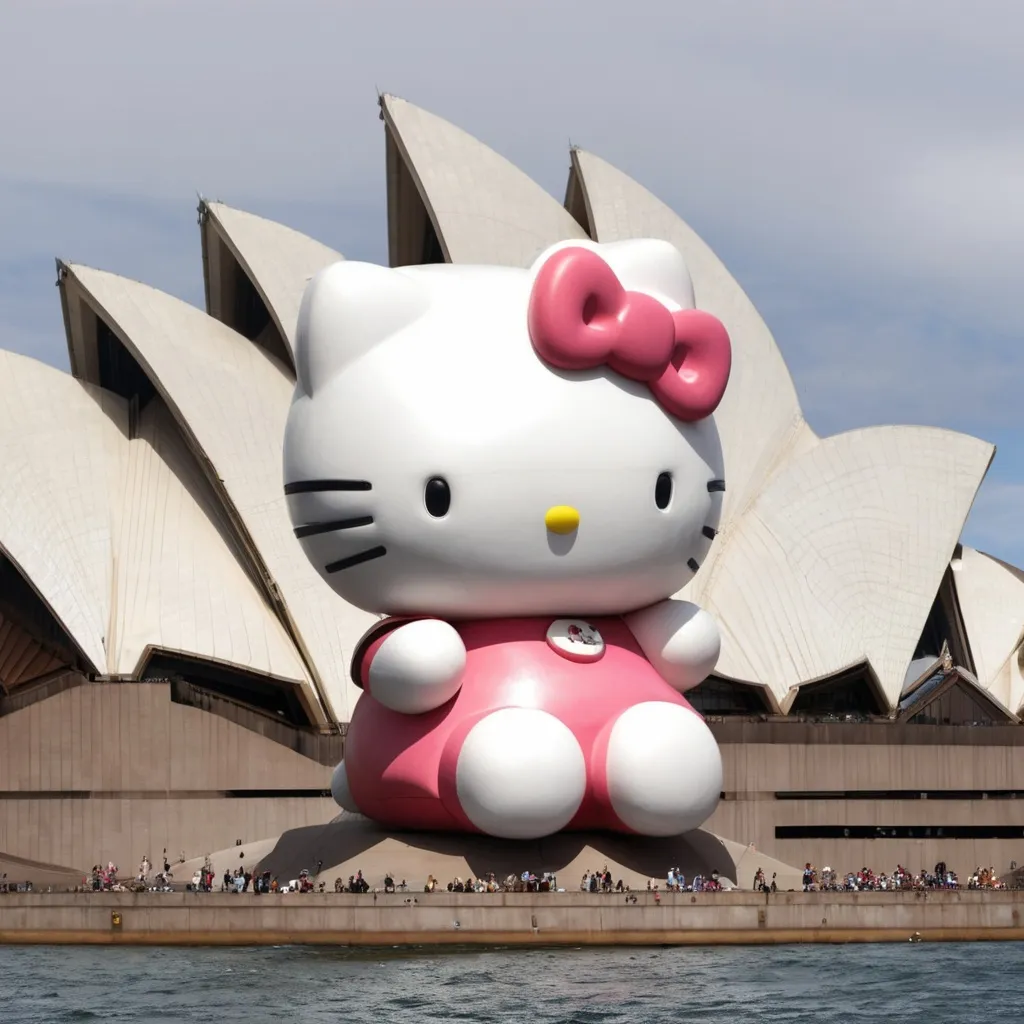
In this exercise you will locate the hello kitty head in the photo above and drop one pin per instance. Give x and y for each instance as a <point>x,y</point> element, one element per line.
<point>488,441</point>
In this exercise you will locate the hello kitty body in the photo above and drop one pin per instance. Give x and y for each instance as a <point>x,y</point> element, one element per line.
<point>485,708</point>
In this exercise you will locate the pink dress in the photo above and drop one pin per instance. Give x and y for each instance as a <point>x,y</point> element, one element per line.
<point>401,768</point>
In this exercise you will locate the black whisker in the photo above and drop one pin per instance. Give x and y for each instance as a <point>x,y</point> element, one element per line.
<point>693,564</point>
<point>312,529</point>
<point>312,486</point>
<point>363,556</point>
<point>716,485</point>
<point>710,532</point>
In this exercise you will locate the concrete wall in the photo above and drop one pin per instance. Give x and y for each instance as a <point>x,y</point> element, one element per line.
<point>112,771</point>
<point>763,759</point>
<point>109,771</point>
<point>570,918</point>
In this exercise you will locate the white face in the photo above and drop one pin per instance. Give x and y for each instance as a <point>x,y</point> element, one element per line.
<point>441,456</point>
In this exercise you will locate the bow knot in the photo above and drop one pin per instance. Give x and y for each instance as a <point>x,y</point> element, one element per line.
<point>580,317</point>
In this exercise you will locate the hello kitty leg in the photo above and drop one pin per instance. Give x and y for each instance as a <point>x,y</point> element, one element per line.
<point>520,774</point>
<point>664,769</point>
<point>340,790</point>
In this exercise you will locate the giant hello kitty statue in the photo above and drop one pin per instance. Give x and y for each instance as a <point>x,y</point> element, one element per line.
<point>518,468</point>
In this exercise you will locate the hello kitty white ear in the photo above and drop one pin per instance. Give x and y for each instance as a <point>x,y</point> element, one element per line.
<point>648,265</point>
<point>346,310</point>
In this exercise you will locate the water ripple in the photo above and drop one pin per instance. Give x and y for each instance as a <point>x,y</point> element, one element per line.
<point>857,984</point>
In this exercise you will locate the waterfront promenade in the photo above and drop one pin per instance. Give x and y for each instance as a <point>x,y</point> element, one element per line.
<point>522,919</point>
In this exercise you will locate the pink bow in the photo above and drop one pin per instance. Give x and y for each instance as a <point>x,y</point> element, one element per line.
<point>580,317</point>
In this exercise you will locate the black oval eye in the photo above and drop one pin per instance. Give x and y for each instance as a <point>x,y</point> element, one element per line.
<point>663,490</point>
<point>437,496</point>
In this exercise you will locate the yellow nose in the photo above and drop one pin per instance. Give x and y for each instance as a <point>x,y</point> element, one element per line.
<point>561,519</point>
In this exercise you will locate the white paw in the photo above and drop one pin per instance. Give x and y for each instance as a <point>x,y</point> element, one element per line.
<point>340,791</point>
<point>664,769</point>
<point>681,641</point>
<point>520,774</point>
<point>418,667</point>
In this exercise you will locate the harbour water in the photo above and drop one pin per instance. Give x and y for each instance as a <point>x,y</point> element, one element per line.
<point>934,982</point>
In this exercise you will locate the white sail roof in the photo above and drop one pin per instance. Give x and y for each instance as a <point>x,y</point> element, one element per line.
<point>839,558</point>
<point>760,388</point>
<point>484,208</point>
<point>179,586</point>
<point>277,259</point>
<point>61,451</point>
<point>991,597</point>
<point>112,540</point>
<point>231,399</point>
<point>830,551</point>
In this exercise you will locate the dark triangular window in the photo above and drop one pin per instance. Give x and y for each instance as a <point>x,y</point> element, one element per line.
<point>851,694</point>
<point>412,238</point>
<point>717,696</point>
<point>119,370</point>
<point>944,626</point>
<point>32,641</point>
<point>576,197</point>
<point>231,295</point>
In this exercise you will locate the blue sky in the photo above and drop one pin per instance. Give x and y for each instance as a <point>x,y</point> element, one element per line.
<point>856,165</point>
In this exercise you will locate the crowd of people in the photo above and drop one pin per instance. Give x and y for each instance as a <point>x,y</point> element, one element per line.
<point>107,878</point>
<point>866,880</point>
<point>103,879</point>
<point>985,878</point>
<point>676,882</point>
<point>356,883</point>
<point>527,881</point>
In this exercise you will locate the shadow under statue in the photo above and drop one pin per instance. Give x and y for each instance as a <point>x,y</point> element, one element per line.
<point>352,843</point>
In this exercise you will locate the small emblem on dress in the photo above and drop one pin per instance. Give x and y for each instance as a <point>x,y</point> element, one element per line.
<point>575,639</point>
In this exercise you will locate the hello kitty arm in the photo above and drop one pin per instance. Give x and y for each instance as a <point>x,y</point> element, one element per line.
<point>412,665</point>
<point>680,640</point>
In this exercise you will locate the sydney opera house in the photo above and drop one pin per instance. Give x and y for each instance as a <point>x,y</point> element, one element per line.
<point>174,673</point>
